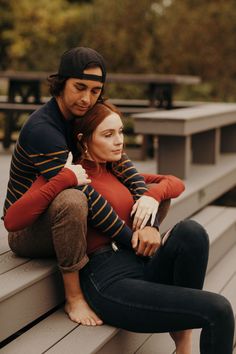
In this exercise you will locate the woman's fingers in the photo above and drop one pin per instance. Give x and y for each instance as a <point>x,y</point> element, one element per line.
<point>142,210</point>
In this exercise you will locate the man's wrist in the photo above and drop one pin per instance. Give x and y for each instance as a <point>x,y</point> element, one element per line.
<point>156,223</point>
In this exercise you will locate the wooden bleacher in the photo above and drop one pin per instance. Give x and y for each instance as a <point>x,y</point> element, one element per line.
<point>190,135</point>
<point>31,288</point>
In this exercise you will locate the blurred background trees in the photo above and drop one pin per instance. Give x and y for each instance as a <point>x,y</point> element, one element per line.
<point>193,37</point>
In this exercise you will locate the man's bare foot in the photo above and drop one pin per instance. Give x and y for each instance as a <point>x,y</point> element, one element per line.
<point>79,311</point>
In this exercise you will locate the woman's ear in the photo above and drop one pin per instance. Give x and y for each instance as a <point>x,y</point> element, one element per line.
<point>79,136</point>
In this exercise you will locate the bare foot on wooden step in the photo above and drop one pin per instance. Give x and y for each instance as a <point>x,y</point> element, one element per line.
<point>79,311</point>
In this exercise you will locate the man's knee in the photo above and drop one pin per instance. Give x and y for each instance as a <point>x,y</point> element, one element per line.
<point>72,202</point>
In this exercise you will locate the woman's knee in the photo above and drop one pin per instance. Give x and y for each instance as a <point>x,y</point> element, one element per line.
<point>222,311</point>
<point>192,233</point>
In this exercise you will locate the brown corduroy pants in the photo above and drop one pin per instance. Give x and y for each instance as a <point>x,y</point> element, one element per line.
<point>59,232</point>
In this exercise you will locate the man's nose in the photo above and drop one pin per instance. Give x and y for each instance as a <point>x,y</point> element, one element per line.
<point>85,97</point>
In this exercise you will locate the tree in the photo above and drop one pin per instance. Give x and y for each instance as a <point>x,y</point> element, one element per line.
<point>39,32</point>
<point>198,37</point>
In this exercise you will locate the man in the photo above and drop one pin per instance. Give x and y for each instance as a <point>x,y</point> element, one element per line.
<point>42,149</point>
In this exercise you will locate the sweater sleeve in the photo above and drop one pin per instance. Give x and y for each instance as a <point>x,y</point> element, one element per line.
<point>33,203</point>
<point>126,172</point>
<point>162,187</point>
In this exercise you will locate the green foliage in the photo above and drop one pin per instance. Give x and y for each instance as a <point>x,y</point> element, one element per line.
<point>193,37</point>
<point>39,32</point>
<point>198,37</point>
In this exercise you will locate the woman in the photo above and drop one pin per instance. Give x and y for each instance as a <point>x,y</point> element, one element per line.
<point>160,293</point>
<point>146,294</point>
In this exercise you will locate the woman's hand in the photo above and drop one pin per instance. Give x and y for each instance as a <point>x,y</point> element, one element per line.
<point>78,170</point>
<point>146,242</point>
<point>142,210</point>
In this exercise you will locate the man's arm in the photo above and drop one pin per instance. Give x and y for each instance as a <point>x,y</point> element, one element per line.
<point>126,172</point>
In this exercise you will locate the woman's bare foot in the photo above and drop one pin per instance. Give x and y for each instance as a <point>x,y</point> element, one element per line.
<point>183,341</point>
<point>79,311</point>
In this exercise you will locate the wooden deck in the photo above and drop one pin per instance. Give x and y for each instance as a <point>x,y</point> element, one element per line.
<point>29,288</point>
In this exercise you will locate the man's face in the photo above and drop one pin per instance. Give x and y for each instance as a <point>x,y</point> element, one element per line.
<point>79,95</point>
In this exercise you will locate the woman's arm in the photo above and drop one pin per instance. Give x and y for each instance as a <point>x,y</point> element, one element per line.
<point>162,187</point>
<point>147,210</point>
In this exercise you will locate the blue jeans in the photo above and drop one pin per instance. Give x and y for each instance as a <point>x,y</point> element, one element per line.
<point>162,293</point>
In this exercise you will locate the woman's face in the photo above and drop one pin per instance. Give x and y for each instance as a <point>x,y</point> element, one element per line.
<point>107,140</point>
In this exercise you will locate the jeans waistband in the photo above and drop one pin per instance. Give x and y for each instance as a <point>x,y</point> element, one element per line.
<point>106,248</point>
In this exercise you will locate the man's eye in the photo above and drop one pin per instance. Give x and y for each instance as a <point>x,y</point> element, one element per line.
<point>96,92</point>
<point>79,88</point>
<point>108,135</point>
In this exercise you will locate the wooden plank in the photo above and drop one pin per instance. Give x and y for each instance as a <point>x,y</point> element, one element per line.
<point>153,78</point>
<point>185,121</point>
<point>35,270</point>
<point>208,214</point>
<point>174,155</point>
<point>4,247</point>
<point>206,146</point>
<point>222,272</point>
<point>159,343</point>
<point>228,141</point>
<point>124,342</point>
<point>9,261</point>
<point>18,107</point>
<point>91,339</point>
<point>33,301</point>
<point>52,330</point>
<point>204,184</point>
<point>223,224</point>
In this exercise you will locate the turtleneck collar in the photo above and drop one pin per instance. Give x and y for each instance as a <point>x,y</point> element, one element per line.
<point>95,167</point>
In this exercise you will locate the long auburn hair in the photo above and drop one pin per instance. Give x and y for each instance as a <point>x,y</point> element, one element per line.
<point>87,124</point>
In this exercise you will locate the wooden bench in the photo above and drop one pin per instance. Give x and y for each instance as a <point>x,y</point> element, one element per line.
<point>190,135</point>
<point>11,113</point>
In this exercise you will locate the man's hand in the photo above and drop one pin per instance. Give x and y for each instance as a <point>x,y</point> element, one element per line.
<point>143,209</point>
<point>146,242</point>
<point>78,170</point>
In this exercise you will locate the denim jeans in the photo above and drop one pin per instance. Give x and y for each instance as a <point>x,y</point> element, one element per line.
<point>162,293</point>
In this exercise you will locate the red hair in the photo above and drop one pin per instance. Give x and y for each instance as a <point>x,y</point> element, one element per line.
<point>87,124</point>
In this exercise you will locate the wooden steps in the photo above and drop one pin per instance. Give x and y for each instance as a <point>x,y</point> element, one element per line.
<point>31,288</point>
<point>57,334</point>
